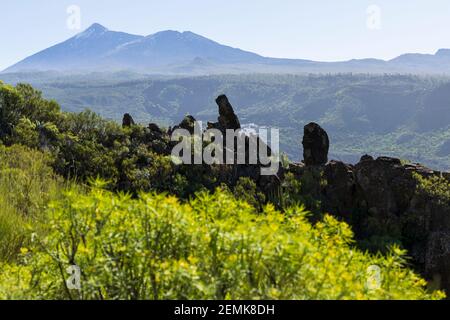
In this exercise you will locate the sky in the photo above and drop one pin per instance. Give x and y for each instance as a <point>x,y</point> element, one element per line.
<point>322,30</point>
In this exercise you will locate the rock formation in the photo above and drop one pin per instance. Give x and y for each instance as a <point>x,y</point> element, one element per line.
<point>340,192</point>
<point>188,123</point>
<point>316,145</point>
<point>154,128</point>
<point>270,184</point>
<point>127,121</point>
<point>366,157</point>
<point>396,207</point>
<point>227,117</point>
<point>383,202</point>
<point>380,198</point>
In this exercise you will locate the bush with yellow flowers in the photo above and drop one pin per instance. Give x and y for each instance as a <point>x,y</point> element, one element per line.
<point>212,247</point>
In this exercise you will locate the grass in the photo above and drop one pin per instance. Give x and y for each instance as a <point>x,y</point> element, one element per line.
<point>27,184</point>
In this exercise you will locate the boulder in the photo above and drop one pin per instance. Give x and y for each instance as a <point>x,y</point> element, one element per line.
<point>127,121</point>
<point>188,123</point>
<point>227,117</point>
<point>340,189</point>
<point>155,129</point>
<point>385,185</point>
<point>366,157</point>
<point>316,145</point>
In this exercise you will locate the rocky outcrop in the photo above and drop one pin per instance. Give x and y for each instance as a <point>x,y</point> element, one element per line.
<point>158,139</point>
<point>380,198</point>
<point>228,120</point>
<point>154,128</point>
<point>188,123</point>
<point>383,201</point>
<point>340,189</point>
<point>396,207</point>
<point>385,185</point>
<point>127,121</point>
<point>316,145</point>
<point>366,157</point>
<point>227,117</point>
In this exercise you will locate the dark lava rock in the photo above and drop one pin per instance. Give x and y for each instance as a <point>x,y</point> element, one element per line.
<point>366,157</point>
<point>383,202</point>
<point>188,124</point>
<point>340,188</point>
<point>385,184</point>
<point>127,121</point>
<point>316,145</point>
<point>396,207</point>
<point>227,117</point>
<point>154,128</point>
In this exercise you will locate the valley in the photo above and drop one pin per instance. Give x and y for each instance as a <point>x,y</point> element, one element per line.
<point>404,116</point>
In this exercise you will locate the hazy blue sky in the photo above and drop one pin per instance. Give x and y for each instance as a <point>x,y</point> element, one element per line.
<point>316,29</point>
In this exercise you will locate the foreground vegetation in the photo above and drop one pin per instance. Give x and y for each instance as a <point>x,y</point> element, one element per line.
<point>27,184</point>
<point>132,240</point>
<point>213,247</point>
<point>158,247</point>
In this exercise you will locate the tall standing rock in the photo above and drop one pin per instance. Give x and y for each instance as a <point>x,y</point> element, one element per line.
<point>316,145</point>
<point>127,121</point>
<point>228,120</point>
<point>227,117</point>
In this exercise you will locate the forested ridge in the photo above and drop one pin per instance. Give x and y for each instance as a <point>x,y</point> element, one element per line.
<point>405,116</point>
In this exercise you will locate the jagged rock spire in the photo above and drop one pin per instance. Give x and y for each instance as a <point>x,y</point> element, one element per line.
<point>316,145</point>
<point>127,121</point>
<point>227,117</point>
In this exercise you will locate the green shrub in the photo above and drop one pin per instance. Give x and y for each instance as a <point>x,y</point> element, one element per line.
<point>214,247</point>
<point>246,190</point>
<point>304,191</point>
<point>436,187</point>
<point>27,184</point>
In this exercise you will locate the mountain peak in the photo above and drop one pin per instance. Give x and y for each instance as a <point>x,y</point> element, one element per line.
<point>98,27</point>
<point>166,33</point>
<point>94,30</point>
<point>177,34</point>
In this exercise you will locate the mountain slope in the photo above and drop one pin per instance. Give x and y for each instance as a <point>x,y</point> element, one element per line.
<point>87,50</point>
<point>99,49</point>
<point>172,47</point>
<point>172,52</point>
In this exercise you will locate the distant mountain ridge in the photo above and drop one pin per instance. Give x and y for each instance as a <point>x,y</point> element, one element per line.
<point>172,52</point>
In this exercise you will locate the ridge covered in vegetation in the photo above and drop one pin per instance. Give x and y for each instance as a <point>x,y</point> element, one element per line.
<point>160,231</point>
<point>405,116</point>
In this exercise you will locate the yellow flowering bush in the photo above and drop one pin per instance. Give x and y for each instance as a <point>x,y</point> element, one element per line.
<point>212,247</point>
